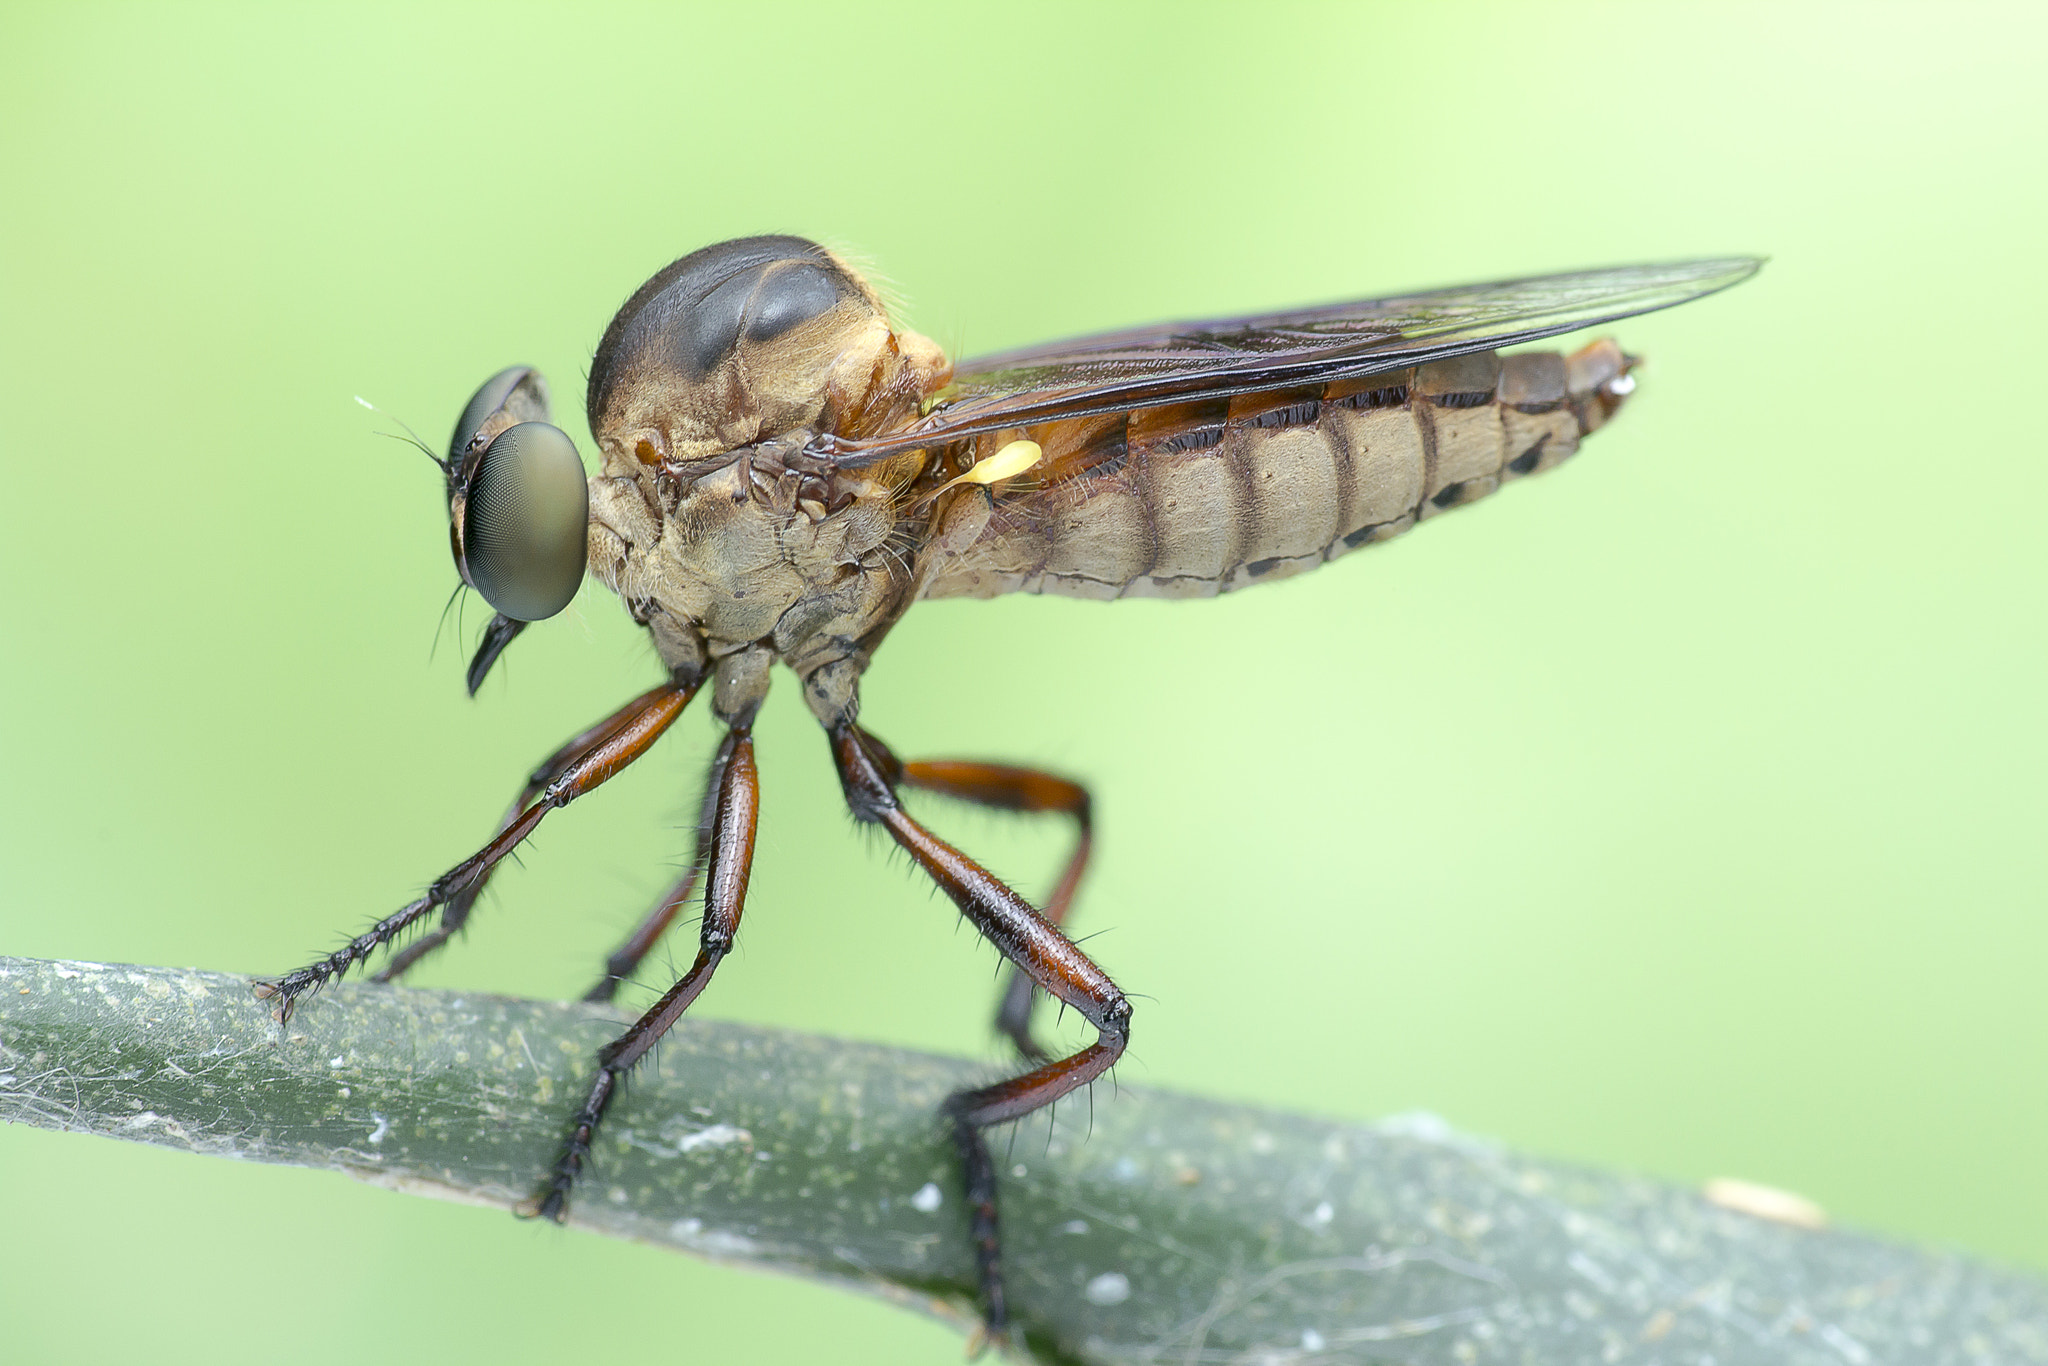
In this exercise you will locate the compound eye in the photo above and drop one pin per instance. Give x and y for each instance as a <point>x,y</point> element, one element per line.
<point>524,521</point>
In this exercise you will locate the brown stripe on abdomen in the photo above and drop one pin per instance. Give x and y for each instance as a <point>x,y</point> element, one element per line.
<point>1538,428</point>
<point>1388,458</point>
<point>1098,532</point>
<point>1453,402</point>
<point>1289,510</point>
<point>1194,499</point>
<point>1194,496</point>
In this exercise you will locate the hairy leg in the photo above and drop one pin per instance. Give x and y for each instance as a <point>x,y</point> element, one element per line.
<point>736,813</point>
<point>1004,787</point>
<point>627,956</point>
<point>1031,942</point>
<point>608,747</point>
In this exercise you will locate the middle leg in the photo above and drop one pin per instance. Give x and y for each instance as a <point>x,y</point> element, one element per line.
<point>736,810</point>
<point>626,957</point>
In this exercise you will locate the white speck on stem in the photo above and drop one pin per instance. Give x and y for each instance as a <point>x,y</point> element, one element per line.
<point>1422,1124</point>
<point>927,1199</point>
<point>1765,1202</point>
<point>1850,1349</point>
<point>718,1243</point>
<point>692,1234</point>
<point>1591,1271</point>
<point>383,1127</point>
<point>1111,1287</point>
<point>1322,1214</point>
<point>1312,1341</point>
<point>714,1136</point>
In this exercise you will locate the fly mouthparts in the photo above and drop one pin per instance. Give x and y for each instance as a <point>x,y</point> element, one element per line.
<point>500,633</point>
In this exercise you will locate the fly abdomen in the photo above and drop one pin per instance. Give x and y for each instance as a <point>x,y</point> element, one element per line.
<point>1195,499</point>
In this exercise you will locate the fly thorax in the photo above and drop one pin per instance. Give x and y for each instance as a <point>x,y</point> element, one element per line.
<point>745,554</point>
<point>747,342</point>
<point>705,388</point>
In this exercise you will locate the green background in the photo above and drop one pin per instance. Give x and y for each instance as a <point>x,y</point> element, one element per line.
<point>1679,811</point>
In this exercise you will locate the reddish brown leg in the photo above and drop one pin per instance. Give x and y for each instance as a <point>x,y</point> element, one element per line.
<point>735,813</point>
<point>631,731</point>
<point>551,768</point>
<point>627,956</point>
<point>1005,788</point>
<point>1036,947</point>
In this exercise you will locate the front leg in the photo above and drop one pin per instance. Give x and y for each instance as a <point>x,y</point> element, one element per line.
<point>632,731</point>
<point>1036,946</point>
<point>624,959</point>
<point>571,752</point>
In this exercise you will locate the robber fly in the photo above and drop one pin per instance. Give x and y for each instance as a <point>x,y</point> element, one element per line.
<point>784,474</point>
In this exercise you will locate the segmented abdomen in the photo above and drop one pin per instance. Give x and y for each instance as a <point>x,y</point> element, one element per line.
<point>1196,499</point>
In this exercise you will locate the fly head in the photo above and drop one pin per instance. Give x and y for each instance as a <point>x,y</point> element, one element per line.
<point>518,508</point>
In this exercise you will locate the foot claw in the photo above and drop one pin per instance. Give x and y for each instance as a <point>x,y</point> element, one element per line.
<point>552,1206</point>
<point>275,991</point>
<point>984,1337</point>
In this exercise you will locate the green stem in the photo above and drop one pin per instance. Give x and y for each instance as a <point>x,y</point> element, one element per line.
<point>1168,1229</point>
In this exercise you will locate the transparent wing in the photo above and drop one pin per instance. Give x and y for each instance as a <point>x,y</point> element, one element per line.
<point>1173,362</point>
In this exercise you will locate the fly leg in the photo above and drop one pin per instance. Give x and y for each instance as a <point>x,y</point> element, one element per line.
<point>632,730</point>
<point>1005,788</point>
<point>554,766</point>
<point>627,956</point>
<point>735,812</point>
<point>1037,948</point>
